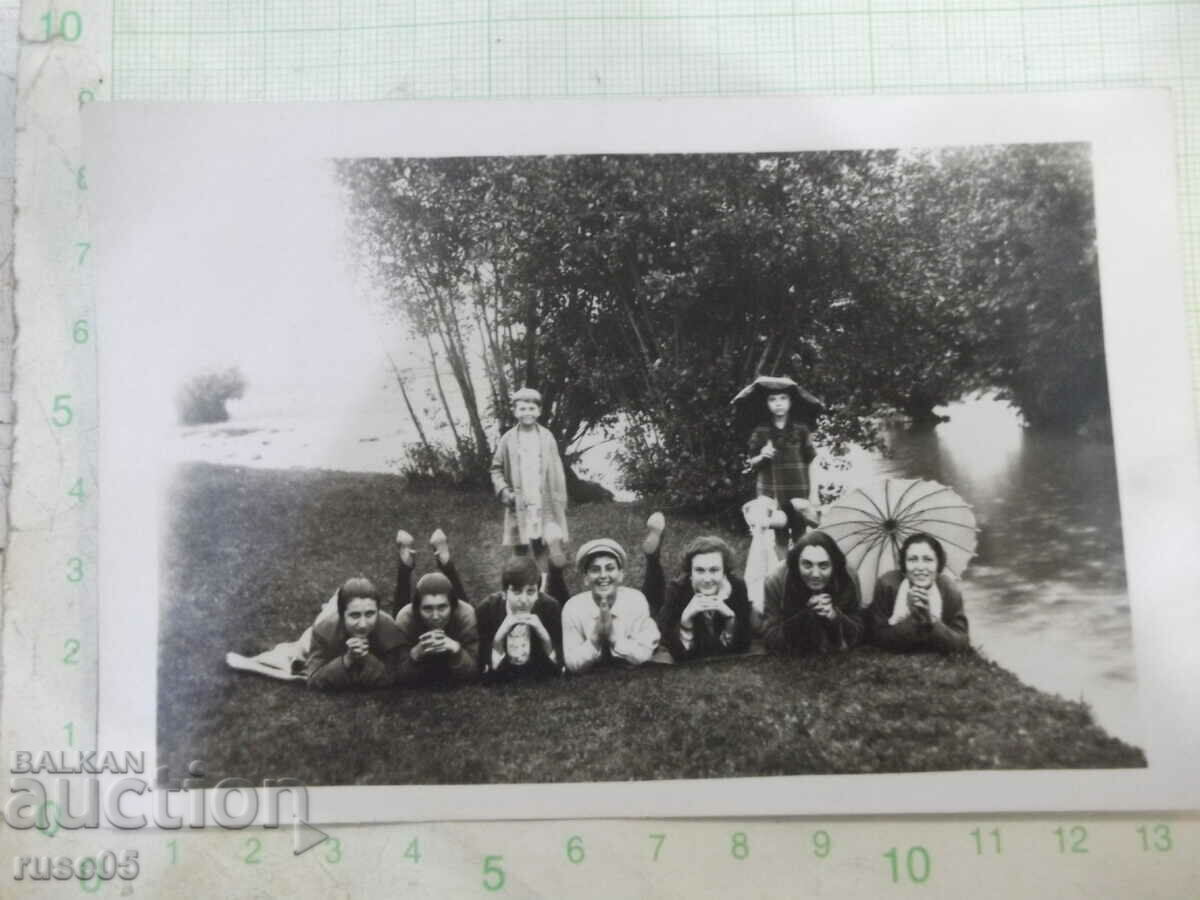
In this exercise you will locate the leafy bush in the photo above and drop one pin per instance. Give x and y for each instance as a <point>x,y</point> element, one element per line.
<point>201,399</point>
<point>690,464</point>
<point>435,465</point>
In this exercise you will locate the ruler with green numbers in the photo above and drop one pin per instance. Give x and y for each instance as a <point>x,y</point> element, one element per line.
<point>346,50</point>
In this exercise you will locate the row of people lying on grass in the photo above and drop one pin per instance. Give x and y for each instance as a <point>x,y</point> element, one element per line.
<point>812,605</point>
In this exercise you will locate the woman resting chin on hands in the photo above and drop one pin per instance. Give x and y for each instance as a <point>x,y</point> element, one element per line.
<point>919,606</point>
<point>351,641</point>
<point>812,601</point>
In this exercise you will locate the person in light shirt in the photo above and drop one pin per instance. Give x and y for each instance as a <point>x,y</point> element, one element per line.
<point>607,623</point>
<point>918,606</point>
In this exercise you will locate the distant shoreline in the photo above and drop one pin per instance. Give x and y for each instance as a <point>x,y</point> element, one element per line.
<point>371,445</point>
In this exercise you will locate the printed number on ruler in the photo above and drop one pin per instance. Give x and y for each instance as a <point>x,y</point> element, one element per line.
<point>1072,840</point>
<point>740,845</point>
<point>983,845</point>
<point>253,852</point>
<point>575,849</point>
<point>413,850</point>
<point>1156,838</point>
<point>62,413</point>
<point>493,874</point>
<point>917,864</point>
<point>68,25</point>
<point>822,844</point>
<point>658,839</point>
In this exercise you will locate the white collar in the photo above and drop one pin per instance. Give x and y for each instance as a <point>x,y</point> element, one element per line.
<point>900,610</point>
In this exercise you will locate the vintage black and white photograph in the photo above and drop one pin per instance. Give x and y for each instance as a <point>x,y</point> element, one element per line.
<point>515,468</point>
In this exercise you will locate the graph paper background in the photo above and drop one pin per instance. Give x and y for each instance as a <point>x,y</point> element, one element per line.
<point>217,50</point>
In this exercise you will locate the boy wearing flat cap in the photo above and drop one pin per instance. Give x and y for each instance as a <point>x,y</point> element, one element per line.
<point>608,622</point>
<point>529,478</point>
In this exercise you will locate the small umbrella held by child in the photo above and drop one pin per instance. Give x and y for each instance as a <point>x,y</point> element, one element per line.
<point>780,449</point>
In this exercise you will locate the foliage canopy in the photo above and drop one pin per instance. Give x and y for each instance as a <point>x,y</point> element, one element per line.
<point>646,290</point>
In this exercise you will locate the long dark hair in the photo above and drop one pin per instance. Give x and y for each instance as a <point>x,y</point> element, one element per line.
<point>838,579</point>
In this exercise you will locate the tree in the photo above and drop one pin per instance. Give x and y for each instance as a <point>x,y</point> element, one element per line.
<point>201,399</point>
<point>646,290</point>
<point>1018,227</point>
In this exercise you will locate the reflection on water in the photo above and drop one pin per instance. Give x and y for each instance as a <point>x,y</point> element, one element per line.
<point>1046,593</point>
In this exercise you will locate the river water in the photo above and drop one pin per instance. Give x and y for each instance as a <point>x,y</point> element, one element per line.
<point>1046,593</point>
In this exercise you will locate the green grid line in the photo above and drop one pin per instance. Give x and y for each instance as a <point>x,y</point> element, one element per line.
<point>216,50</point>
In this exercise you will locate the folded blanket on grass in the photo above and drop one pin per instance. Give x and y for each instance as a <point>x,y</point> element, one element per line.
<point>284,661</point>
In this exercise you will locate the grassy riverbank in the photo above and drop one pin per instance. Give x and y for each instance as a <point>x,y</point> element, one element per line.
<point>250,556</point>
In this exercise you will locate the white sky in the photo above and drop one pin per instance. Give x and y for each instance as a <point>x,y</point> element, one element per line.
<point>271,290</point>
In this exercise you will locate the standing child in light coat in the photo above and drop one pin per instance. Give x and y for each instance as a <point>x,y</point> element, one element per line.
<point>529,479</point>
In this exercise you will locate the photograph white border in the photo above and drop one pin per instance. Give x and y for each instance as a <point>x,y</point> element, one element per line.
<point>131,146</point>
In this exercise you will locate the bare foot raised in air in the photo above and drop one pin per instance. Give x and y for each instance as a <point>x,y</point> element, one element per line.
<point>553,536</point>
<point>441,545</point>
<point>404,541</point>
<point>655,526</point>
<point>811,514</point>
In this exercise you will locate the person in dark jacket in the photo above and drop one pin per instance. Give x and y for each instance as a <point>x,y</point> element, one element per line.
<point>351,644</point>
<point>439,638</point>
<point>705,610</point>
<point>520,626</point>
<point>813,602</point>
<point>918,606</point>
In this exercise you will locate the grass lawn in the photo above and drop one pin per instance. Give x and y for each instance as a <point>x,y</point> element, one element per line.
<point>252,554</point>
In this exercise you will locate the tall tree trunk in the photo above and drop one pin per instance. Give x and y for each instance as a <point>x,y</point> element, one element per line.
<point>437,380</point>
<point>462,374</point>
<point>493,366</point>
<point>493,352</point>
<point>412,413</point>
<point>451,337</point>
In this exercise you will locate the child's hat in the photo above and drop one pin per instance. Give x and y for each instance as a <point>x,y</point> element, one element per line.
<point>527,393</point>
<point>597,547</point>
